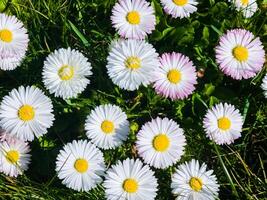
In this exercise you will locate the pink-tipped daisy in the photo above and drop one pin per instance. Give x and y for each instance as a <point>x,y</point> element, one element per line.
<point>133,19</point>
<point>223,123</point>
<point>239,54</point>
<point>179,8</point>
<point>176,76</point>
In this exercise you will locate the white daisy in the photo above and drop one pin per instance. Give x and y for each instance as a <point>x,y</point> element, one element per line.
<point>131,180</point>
<point>133,18</point>
<point>176,76</point>
<point>26,112</point>
<point>193,182</point>
<point>107,126</point>
<point>80,165</point>
<point>264,85</point>
<point>131,62</point>
<point>161,142</point>
<point>179,8</point>
<point>239,54</point>
<point>66,73</point>
<point>248,7</point>
<point>14,157</point>
<point>13,42</point>
<point>223,123</point>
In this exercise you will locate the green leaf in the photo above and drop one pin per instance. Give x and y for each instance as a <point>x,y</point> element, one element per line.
<point>205,33</point>
<point>79,34</point>
<point>208,89</point>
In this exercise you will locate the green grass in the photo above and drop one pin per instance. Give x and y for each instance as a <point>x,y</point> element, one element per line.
<point>85,25</point>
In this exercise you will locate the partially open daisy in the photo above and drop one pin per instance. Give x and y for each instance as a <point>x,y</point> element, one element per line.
<point>264,85</point>
<point>66,73</point>
<point>13,42</point>
<point>192,181</point>
<point>239,54</point>
<point>133,18</point>
<point>161,142</point>
<point>247,7</point>
<point>80,165</point>
<point>223,123</point>
<point>107,126</point>
<point>176,76</point>
<point>131,62</point>
<point>179,8</point>
<point>130,179</point>
<point>14,157</point>
<point>26,112</point>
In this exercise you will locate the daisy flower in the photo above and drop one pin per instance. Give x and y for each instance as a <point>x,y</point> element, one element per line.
<point>239,54</point>
<point>179,8</point>
<point>192,181</point>
<point>130,179</point>
<point>107,126</point>
<point>26,112</point>
<point>161,142</point>
<point>80,165</point>
<point>66,73</point>
<point>13,42</point>
<point>131,62</point>
<point>176,76</point>
<point>133,18</point>
<point>223,123</point>
<point>14,157</point>
<point>248,7</point>
<point>264,85</point>
<point>5,136</point>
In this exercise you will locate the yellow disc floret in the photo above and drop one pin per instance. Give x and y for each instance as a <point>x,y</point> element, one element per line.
<point>133,63</point>
<point>6,35</point>
<point>107,126</point>
<point>244,2</point>
<point>12,156</point>
<point>130,185</point>
<point>174,76</point>
<point>180,2</point>
<point>161,142</point>
<point>26,112</point>
<point>66,72</point>
<point>81,165</point>
<point>240,53</point>
<point>224,123</point>
<point>196,184</point>
<point>133,17</point>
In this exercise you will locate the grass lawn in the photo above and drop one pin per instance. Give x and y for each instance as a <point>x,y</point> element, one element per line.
<point>85,25</point>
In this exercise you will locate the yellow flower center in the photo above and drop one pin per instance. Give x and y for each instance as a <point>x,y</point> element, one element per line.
<point>244,2</point>
<point>240,53</point>
<point>130,185</point>
<point>161,142</point>
<point>133,63</point>
<point>12,156</point>
<point>133,17</point>
<point>6,35</point>
<point>81,165</point>
<point>66,72</point>
<point>174,76</point>
<point>196,184</point>
<point>180,2</point>
<point>107,126</point>
<point>224,123</point>
<point>26,113</point>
